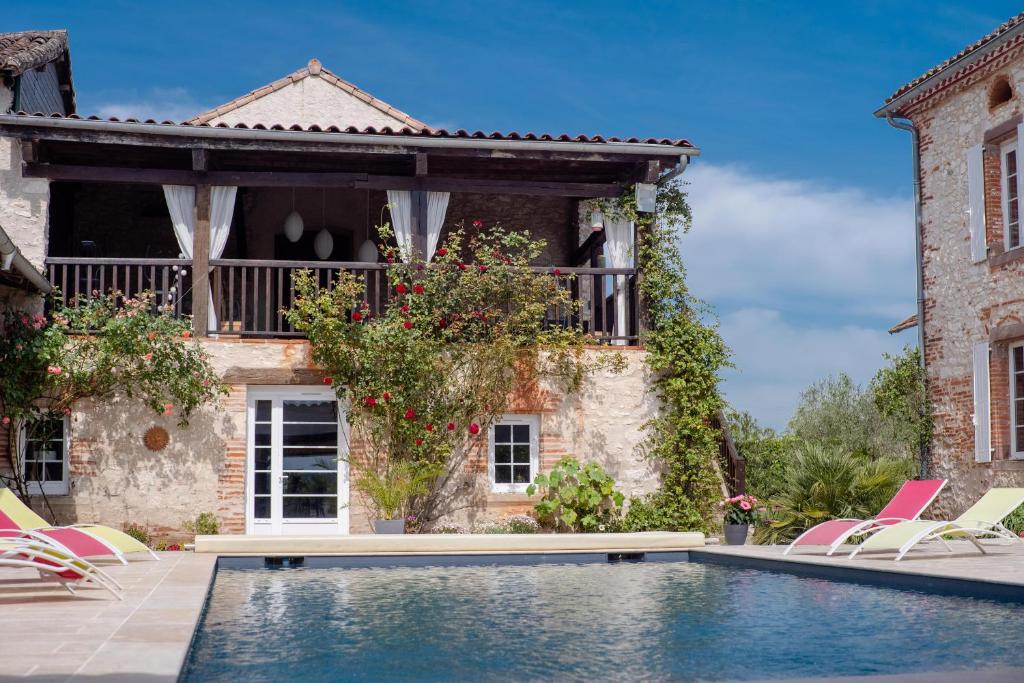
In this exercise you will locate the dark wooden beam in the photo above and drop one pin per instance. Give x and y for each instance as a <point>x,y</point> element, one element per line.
<point>201,263</point>
<point>155,176</point>
<point>648,171</point>
<point>29,151</point>
<point>334,143</point>
<point>419,222</point>
<point>421,164</point>
<point>200,159</point>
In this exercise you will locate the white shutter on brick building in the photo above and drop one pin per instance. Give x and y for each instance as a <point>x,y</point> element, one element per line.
<point>1020,155</point>
<point>982,399</point>
<point>976,202</point>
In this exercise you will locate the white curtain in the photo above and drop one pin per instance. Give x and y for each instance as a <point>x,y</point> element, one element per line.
<point>222,209</point>
<point>618,251</point>
<point>181,202</point>
<point>437,206</point>
<point>400,203</point>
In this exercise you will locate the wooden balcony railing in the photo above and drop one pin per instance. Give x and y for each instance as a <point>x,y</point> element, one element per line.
<point>735,464</point>
<point>84,278</point>
<point>249,295</point>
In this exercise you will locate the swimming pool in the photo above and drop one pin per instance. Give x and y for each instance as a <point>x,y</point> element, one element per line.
<point>638,621</point>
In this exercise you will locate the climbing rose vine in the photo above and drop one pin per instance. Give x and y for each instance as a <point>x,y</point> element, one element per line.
<point>434,369</point>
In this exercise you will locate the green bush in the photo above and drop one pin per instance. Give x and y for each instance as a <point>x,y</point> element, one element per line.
<point>138,532</point>
<point>205,524</point>
<point>1015,521</point>
<point>662,511</point>
<point>766,452</point>
<point>514,524</point>
<point>577,497</point>
<point>389,492</point>
<point>823,483</point>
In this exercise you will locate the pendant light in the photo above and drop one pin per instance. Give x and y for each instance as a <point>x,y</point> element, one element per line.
<point>596,220</point>
<point>368,249</point>
<point>323,245</point>
<point>293,225</point>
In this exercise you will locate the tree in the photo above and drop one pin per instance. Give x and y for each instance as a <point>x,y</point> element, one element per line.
<point>767,453</point>
<point>898,393</point>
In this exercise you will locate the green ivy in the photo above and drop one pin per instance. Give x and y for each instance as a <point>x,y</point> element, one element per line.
<point>686,354</point>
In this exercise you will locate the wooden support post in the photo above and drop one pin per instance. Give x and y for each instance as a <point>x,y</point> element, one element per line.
<point>421,164</point>
<point>201,263</point>
<point>419,222</point>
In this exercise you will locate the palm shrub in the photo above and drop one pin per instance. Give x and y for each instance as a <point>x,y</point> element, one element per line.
<point>824,482</point>
<point>390,489</point>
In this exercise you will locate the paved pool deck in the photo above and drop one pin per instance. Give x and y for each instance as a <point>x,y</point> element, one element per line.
<point>52,635</point>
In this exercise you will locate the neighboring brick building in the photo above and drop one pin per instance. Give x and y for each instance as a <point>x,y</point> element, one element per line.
<point>88,201</point>
<point>969,144</point>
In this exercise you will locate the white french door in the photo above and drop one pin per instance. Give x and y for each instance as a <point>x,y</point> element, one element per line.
<point>297,478</point>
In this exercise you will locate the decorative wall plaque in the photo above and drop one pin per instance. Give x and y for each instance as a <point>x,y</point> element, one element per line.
<point>156,438</point>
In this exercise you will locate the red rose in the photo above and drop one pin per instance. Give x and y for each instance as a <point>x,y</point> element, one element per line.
<point>430,426</point>
<point>451,426</point>
<point>474,428</point>
<point>556,272</point>
<point>407,324</point>
<point>370,401</point>
<point>357,316</point>
<point>477,223</point>
<point>483,268</point>
<point>328,380</point>
<point>417,288</point>
<point>442,323</point>
<point>186,334</point>
<point>410,414</point>
<point>419,442</point>
<point>442,251</point>
<point>462,266</point>
<point>387,395</point>
<point>405,308</point>
<point>400,288</point>
<point>391,259</point>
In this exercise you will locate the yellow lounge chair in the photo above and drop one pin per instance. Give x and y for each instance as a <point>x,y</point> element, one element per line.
<point>983,519</point>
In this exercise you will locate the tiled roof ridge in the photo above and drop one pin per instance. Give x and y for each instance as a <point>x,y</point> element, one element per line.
<point>314,69</point>
<point>24,50</point>
<point>385,130</point>
<point>974,47</point>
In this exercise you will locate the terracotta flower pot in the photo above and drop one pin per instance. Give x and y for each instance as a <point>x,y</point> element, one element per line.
<point>736,534</point>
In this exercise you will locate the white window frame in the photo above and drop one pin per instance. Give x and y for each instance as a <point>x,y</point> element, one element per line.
<point>533,421</point>
<point>1004,193</point>
<point>1016,449</point>
<point>50,488</point>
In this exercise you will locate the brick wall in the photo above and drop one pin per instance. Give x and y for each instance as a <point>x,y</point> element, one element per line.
<point>967,303</point>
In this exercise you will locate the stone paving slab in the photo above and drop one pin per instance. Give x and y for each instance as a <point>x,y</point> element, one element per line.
<point>55,636</point>
<point>1003,563</point>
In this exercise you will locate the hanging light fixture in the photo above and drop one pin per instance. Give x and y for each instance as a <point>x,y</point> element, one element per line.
<point>368,249</point>
<point>293,225</point>
<point>596,220</point>
<point>323,245</point>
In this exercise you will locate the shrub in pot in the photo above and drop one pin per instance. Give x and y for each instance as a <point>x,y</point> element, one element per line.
<point>740,514</point>
<point>390,491</point>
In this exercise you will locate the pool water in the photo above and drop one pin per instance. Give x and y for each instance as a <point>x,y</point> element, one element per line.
<point>627,621</point>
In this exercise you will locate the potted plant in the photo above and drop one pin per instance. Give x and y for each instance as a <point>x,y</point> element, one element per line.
<point>390,491</point>
<point>740,513</point>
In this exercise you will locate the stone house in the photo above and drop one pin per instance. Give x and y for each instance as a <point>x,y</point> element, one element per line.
<point>965,118</point>
<point>213,214</point>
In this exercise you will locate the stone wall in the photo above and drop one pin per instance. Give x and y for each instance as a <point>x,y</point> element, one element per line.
<point>23,204</point>
<point>967,303</point>
<point>116,480</point>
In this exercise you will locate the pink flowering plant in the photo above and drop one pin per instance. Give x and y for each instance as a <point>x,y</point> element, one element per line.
<point>741,509</point>
<point>94,348</point>
<point>427,375</point>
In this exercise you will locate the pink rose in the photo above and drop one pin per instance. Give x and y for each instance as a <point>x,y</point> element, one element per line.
<point>54,370</point>
<point>168,408</point>
<point>745,505</point>
<point>6,421</point>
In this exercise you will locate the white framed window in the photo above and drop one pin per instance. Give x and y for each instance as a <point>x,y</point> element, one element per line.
<point>513,458</point>
<point>45,456</point>
<point>1017,401</point>
<point>1010,192</point>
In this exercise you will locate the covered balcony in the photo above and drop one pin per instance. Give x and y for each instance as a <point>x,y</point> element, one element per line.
<point>215,221</point>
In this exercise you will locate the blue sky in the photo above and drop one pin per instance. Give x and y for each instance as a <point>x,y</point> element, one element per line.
<point>803,232</point>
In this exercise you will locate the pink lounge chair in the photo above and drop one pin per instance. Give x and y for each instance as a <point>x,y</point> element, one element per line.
<point>910,501</point>
<point>72,540</point>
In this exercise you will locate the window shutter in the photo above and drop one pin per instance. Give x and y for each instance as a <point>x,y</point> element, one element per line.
<point>1020,158</point>
<point>976,203</point>
<point>982,420</point>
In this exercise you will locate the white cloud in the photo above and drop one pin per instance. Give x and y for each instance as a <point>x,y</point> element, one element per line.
<point>161,104</point>
<point>797,246</point>
<point>777,359</point>
<point>806,280</point>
